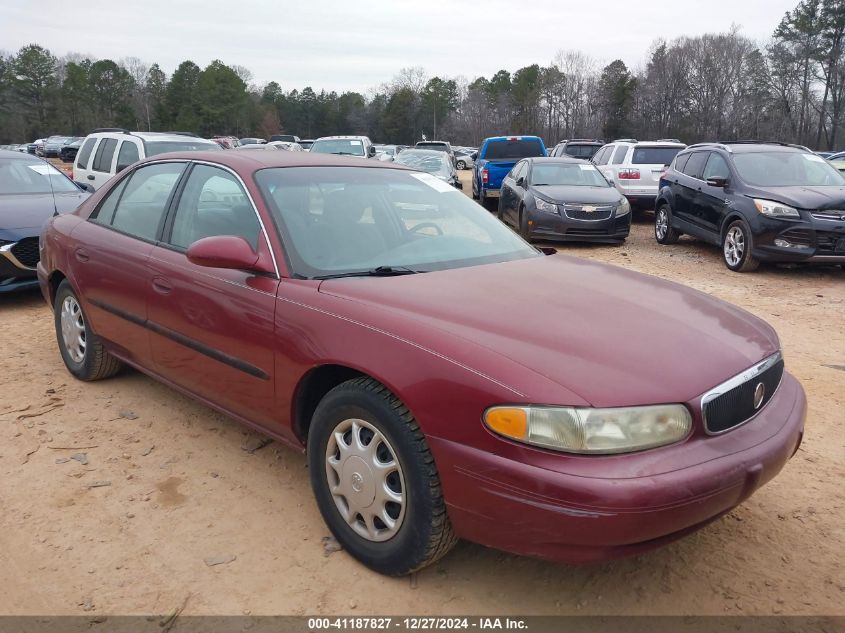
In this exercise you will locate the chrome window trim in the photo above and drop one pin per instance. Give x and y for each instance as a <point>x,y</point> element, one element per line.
<point>740,379</point>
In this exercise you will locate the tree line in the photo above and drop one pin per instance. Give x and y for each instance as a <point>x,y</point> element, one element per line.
<point>716,86</point>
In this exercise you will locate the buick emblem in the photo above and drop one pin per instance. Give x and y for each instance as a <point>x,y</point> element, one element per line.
<point>358,481</point>
<point>759,394</point>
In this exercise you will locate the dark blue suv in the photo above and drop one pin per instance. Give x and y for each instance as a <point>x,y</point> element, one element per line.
<point>761,202</point>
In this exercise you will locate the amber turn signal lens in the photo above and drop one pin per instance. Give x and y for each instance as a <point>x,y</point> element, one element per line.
<point>508,422</point>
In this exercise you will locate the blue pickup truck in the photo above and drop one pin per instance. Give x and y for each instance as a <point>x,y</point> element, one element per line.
<point>496,157</point>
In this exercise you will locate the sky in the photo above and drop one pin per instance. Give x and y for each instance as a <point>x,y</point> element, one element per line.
<point>347,45</point>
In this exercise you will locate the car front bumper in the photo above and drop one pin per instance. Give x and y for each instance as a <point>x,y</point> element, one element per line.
<point>810,241</point>
<point>553,226</point>
<point>575,517</point>
<point>14,275</point>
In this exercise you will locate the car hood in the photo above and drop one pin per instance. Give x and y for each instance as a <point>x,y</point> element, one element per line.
<point>18,211</point>
<point>573,193</point>
<point>804,197</point>
<point>612,336</point>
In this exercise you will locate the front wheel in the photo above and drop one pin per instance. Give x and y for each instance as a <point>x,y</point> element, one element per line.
<point>81,349</point>
<point>737,246</point>
<point>375,481</point>
<point>461,165</point>
<point>663,231</point>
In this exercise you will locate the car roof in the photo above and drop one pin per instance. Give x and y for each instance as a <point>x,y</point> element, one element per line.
<point>514,137</point>
<point>557,159</point>
<point>253,160</point>
<point>745,147</point>
<point>352,136</point>
<point>155,136</point>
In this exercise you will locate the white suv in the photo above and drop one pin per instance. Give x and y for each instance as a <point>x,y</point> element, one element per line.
<point>107,152</point>
<point>360,146</point>
<point>635,166</point>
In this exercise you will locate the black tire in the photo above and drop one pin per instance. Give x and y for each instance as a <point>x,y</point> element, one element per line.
<point>664,234</point>
<point>499,212</point>
<point>461,165</point>
<point>524,231</point>
<point>425,533</point>
<point>95,362</point>
<point>743,262</point>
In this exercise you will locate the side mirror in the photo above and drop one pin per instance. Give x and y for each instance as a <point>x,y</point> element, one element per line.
<point>371,152</point>
<point>718,182</point>
<point>547,250</point>
<point>458,184</point>
<point>520,182</point>
<point>84,186</point>
<point>227,251</point>
<point>610,181</point>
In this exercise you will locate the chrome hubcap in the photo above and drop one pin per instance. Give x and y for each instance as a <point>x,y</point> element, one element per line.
<point>73,329</point>
<point>734,246</point>
<point>365,480</point>
<point>661,224</point>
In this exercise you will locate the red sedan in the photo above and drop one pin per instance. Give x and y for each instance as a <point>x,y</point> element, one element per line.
<point>446,378</point>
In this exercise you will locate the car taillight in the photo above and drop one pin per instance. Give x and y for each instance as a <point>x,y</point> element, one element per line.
<point>629,174</point>
<point>484,176</point>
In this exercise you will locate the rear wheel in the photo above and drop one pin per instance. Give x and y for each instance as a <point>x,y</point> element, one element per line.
<point>737,246</point>
<point>81,349</point>
<point>461,165</point>
<point>375,481</point>
<point>663,231</point>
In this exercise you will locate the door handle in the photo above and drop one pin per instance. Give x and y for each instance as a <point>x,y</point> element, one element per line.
<point>161,285</point>
<point>90,177</point>
<point>82,255</point>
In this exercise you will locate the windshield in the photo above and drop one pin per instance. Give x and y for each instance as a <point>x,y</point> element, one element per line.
<point>343,146</point>
<point>514,149</point>
<point>438,147</point>
<point>23,176</point>
<point>336,220</point>
<point>786,169</point>
<point>435,163</point>
<point>575,174</point>
<point>654,155</point>
<point>153,148</point>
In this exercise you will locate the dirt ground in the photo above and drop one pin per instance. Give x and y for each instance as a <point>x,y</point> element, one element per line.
<point>124,497</point>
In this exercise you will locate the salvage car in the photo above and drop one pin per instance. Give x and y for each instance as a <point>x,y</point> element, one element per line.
<point>31,191</point>
<point>564,199</point>
<point>445,378</point>
<point>760,202</point>
<point>435,162</point>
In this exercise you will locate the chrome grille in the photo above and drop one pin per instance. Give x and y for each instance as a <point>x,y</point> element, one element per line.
<point>589,212</point>
<point>737,400</point>
<point>829,214</point>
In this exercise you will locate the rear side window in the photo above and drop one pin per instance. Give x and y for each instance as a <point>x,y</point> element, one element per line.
<point>517,149</point>
<point>105,152</point>
<point>144,199</point>
<point>85,153</point>
<point>654,155</point>
<point>619,154</point>
<point>127,155</point>
<point>695,164</point>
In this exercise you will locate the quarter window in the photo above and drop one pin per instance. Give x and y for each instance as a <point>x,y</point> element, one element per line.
<point>619,155</point>
<point>213,203</point>
<point>144,198</point>
<point>105,152</point>
<point>85,153</point>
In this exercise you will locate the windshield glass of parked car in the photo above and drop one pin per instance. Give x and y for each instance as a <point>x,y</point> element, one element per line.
<point>436,163</point>
<point>574,174</point>
<point>654,155</point>
<point>345,147</point>
<point>22,176</point>
<point>513,149</point>
<point>153,148</point>
<point>350,220</point>
<point>786,169</point>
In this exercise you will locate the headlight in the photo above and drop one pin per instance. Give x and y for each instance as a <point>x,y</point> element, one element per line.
<point>542,205</point>
<point>597,431</point>
<point>775,209</point>
<point>624,208</point>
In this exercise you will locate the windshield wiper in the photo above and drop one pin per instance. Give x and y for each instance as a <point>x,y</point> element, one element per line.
<point>378,271</point>
<point>345,154</point>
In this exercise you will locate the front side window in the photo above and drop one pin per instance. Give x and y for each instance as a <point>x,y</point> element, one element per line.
<point>604,155</point>
<point>350,220</point>
<point>213,203</point>
<point>104,155</point>
<point>619,155</point>
<point>85,153</point>
<point>786,169</point>
<point>143,200</point>
<point>716,168</point>
<point>127,155</point>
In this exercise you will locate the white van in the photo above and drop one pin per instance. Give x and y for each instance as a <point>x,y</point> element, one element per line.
<point>106,152</point>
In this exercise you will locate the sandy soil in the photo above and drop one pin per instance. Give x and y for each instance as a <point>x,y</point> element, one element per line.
<point>116,496</point>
